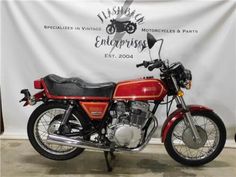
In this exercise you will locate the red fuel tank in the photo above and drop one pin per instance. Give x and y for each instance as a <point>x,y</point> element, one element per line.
<point>140,89</point>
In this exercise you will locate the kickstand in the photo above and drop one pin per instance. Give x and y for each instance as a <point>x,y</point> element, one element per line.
<point>109,167</point>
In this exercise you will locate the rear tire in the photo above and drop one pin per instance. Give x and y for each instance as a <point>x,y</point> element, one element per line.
<point>38,144</point>
<point>110,29</point>
<point>176,154</point>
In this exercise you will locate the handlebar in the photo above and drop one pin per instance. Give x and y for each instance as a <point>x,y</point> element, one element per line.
<point>139,65</point>
<point>145,64</point>
<point>154,64</point>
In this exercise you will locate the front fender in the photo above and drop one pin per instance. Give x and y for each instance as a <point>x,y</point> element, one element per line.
<point>178,114</point>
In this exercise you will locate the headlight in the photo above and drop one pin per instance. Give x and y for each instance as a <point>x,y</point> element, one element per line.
<point>182,75</point>
<point>187,79</point>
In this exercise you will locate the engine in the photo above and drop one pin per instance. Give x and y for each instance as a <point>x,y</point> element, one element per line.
<point>128,119</point>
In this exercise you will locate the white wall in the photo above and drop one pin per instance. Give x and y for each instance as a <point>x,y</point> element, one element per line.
<point>29,51</point>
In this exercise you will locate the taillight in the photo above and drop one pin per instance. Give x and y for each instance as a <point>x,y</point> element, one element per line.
<point>38,84</point>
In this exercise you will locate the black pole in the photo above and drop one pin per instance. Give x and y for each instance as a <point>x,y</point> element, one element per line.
<point>1,118</point>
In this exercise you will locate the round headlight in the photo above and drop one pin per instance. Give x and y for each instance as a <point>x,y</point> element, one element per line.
<point>188,79</point>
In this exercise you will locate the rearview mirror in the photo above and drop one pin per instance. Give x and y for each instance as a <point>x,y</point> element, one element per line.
<point>150,40</point>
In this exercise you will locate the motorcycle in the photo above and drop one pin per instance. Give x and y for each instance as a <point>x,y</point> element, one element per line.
<point>120,117</point>
<point>121,26</point>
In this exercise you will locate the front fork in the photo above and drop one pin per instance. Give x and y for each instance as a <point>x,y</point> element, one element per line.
<point>187,115</point>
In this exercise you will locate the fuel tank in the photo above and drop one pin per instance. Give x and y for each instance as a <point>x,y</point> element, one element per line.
<point>140,89</point>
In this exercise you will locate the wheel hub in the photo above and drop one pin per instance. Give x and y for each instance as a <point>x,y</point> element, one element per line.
<point>55,125</point>
<point>189,140</point>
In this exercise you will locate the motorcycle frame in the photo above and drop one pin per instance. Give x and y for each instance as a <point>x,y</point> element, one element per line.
<point>97,126</point>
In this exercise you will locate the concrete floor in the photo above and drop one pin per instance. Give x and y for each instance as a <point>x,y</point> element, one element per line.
<point>19,159</point>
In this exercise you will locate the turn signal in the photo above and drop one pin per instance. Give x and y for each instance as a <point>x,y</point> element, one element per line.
<point>180,93</point>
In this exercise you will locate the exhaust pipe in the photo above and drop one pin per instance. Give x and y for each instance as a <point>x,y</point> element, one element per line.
<point>62,140</point>
<point>66,141</point>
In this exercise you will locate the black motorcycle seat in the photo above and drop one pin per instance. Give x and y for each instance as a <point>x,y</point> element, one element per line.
<point>74,86</point>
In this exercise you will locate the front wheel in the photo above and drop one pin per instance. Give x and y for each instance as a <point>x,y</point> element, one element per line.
<point>182,147</point>
<point>131,28</point>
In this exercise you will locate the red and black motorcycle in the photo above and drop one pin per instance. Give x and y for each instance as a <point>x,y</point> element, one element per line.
<point>120,117</point>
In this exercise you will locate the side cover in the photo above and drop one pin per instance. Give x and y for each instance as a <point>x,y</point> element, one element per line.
<point>95,110</point>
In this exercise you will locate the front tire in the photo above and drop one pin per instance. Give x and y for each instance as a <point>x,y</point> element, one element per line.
<point>183,151</point>
<point>131,28</point>
<point>47,112</point>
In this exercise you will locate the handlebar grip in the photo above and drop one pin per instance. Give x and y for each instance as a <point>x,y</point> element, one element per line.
<point>138,65</point>
<point>155,65</point>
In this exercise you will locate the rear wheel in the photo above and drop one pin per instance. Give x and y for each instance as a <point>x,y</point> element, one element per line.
<point>46,120</point>
<point>182,147</point>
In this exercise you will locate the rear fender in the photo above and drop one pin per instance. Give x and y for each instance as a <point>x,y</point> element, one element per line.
<point>178,114</point>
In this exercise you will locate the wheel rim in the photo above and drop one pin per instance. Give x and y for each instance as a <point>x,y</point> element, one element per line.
<point>110,29</point>
<point>130,28</point>
<point>212,132</point>
<point>41,132</point>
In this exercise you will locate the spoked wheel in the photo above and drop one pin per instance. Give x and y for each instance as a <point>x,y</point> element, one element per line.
<point>182,147</point>
<point>110,29</point>
<point>46,120</point>
<point>130,28</point>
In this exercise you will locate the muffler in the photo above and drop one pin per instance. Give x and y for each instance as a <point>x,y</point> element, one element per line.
<point>66,141</point>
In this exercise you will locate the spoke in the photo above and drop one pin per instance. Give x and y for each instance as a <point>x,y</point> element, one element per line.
<point>44,133</point>
<point>177,136</point>
<point>206,120</point>
<point>44,126</point>
<point>58,147</point>
<point>195,121</point>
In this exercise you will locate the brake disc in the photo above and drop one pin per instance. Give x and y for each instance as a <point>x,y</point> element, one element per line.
<point>189,140</point>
